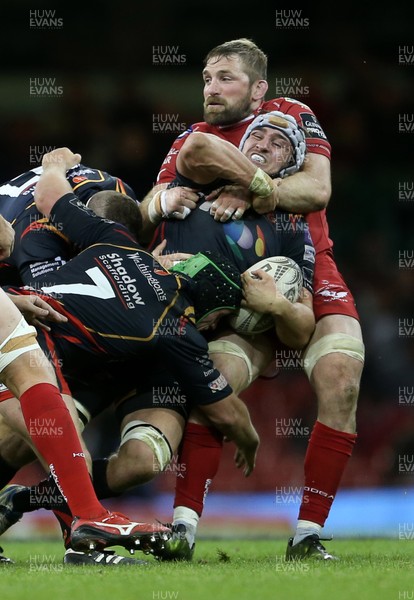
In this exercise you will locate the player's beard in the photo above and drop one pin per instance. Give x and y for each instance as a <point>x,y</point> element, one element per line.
<point>230,114</point>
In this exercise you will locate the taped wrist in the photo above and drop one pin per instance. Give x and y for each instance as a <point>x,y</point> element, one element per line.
<point>163,203</point>
<point>154,209</point>
<point>261,184</point>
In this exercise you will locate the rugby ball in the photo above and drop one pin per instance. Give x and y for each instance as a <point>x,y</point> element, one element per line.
<point>288,277</point>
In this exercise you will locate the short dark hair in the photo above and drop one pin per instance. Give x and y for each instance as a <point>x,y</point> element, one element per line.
<point>119,208</point>
<point>254,60</point>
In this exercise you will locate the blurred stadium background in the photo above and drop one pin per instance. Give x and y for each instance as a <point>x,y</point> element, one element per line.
<point>117,83</point>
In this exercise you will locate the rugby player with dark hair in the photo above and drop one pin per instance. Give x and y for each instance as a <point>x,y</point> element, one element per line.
<point>37,401</point>
<point>235,87</point>
<point>121,305</point>
<point>277,142</point>
<point>40,247</point>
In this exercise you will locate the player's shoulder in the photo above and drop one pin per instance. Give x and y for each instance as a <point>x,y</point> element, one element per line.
<point>82,174</point>
<point>21,183</point>
<point>286,105</point>
<point>201,126</point>
<point>304,116</point>
<point>297,109</point>
<point>85,180</point>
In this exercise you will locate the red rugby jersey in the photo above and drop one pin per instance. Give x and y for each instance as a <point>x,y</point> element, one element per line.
<point>316,143</point>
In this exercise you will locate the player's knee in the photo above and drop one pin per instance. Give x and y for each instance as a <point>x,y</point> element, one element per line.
<point>135,464</point>
<point>338,376</point>
<point>336,384</point>
<point>344,393</point>
<point>13,450</point>
<point>233,361</point>
<point>146,450</point>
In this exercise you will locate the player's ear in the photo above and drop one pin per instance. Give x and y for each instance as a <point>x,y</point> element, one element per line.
<point>259,89</point>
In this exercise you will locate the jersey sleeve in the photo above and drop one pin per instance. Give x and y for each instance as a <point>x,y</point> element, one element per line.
<point>86,181</point>
<point>316,139</point>
<point>41,249</point>
<point>84,228</point>
<point>167,171</point>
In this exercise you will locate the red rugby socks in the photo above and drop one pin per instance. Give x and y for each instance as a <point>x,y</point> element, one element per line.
<point>199,458</point>
<point>54,434</point>
<point>326,458</point>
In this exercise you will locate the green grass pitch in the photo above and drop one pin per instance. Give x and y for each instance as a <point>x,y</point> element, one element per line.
<point>376,569</point>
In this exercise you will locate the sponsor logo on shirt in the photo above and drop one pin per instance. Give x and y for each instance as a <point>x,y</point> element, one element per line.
<point>312,126</point>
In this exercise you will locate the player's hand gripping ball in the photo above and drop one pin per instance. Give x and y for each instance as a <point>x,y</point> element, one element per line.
<point>288,277</point>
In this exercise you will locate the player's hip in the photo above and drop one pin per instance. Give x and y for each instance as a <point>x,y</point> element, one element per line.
<point>331,293</point>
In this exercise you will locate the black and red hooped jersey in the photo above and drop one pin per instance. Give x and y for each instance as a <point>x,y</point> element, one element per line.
<point>121,303</point>
<point>40,246</point>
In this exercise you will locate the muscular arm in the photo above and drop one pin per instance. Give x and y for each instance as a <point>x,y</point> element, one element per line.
<point>204,158</point>
<point>308,190</point>
<point>6,238</point>
<point>231,417</point>
<point>53,184</point>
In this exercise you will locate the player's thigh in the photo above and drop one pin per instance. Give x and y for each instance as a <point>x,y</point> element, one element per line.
<point>241,358</point>
<point>10,316</point>
<point>336,324</point>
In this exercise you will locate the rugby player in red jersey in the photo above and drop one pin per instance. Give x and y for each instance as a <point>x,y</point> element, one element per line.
<point>282,150</point>
<point>235,87</point>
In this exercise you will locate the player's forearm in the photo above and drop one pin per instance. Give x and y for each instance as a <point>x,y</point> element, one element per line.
<point>300,193</point>
<point>151,213</point>
<point>205,157</point>
<point>306,191</point>
<point>241,430</point>
<point>294,323</point>
<point>231,417</point>
<point>233,421</point>
<point>303,193</point>
<point>51,186</point>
